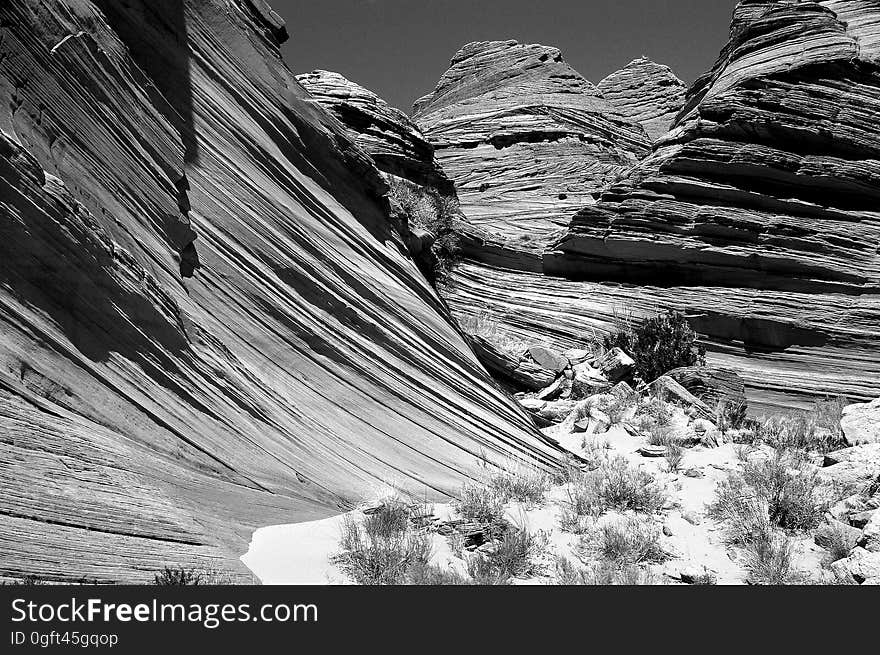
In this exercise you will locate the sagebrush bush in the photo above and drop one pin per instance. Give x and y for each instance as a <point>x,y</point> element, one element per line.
<point>433,575</point>
<point>658,344</point>
<point>613,485</point>
<point>513,556</point>
<point>629,541</point>
<point>179,576</point>
<point>790,488</point>
<point>479,503</point>
<point>817,429</point>
<point>781,490</point>
<point>383,548</point>
<point>431,211</point>
<point>731,415</point>
<point>619,486</point>
<point>674,456</point>
<point>602,573</point>
<point>520,483</point>
<point>769,560</point>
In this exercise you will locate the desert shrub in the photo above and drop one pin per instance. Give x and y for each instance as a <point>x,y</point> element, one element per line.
<point>383,549</point>
<point>658,344</point>
<point>706,578</point>
<point>769,560</point>
<point>485,326</point>
<point>622,487</point>
<point>817,429</point>
<point>431,211</point>
<point>790,489</point>
<point>614,484</point>
<point>654,412</point>
<point>433,575</point>
<point>512,556</point>
<point>389,519</point>
<point>731,415</point>
<point>479,503</point>
<point>780,488</point>
<point>837,542</point>
<point>602,573</point>
<point>674,456</point>
<point>629,541</point>
<point>768,553</point>
<point>482,572</point>
<point>522,484</point>
<point>179,576</point>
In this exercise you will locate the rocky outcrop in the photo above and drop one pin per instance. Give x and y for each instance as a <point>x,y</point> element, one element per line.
<point>526,139</point>
<point>385,133</point>
<point>421,198</point>
<point>208,321</point>
<point>755,215</point>
<point>861,423</point>
<point>647,93</point>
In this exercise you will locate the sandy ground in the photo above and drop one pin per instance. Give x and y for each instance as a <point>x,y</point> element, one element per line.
<point>300,553</point>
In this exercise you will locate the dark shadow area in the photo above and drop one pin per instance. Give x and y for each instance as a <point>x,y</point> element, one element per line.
<point>758,335</point>
<point>156,36</point>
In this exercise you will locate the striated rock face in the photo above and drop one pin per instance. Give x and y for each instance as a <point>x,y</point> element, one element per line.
<point>525,138</point>
<point>384,132</point>
<point>208,322</point>
<point>647,93</point>
<point>422,199</point>
<point>764,197</point>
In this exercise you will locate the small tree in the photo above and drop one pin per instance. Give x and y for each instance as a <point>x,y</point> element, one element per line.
<point>659,344</point>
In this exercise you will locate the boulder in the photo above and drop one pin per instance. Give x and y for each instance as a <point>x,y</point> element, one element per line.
<point>552,412</point>
<point>852,473</point>
<point>616,365</point>
<point>667,388</point>
<point>652,451</point>
<point>860,519</point>
<point>553,391</point>
<point>862,565</point>
<point>588,381</point>
<point>548,359</point>
<point>865,453</point>
<point>832,532</point>
<point>712,385</point>
<point>519,370</point>
<point>861,423</point>
<point>871,533</point>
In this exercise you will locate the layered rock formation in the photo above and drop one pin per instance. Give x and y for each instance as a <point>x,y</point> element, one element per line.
<point>385,133</point>
<point>647,93</point>
<point>526,140</point>
<point>208,321</point>
<point>765,189</point>
<point>756,215</point>
<point>422,199</point>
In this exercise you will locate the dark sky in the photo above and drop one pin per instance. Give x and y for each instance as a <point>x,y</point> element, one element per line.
<point>399,48</point>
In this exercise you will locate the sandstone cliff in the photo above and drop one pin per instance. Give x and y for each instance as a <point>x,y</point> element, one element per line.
<point>421,198</point>
<point>755,215</point>
<point>647,93</point>
<point>209,322</point>
<point>526,139</point>
<point>757,212</point>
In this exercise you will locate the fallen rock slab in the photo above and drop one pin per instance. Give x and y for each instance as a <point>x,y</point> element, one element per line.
<point>861,423</point>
